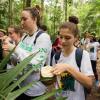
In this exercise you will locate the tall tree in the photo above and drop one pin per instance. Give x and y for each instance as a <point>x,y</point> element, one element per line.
<point>24,1</point>
<point>28,3</point>
<point>10,12</point>
<point>55,7</point>
<point>92,19</point>
<point>65,9</point>
<point>3,13</point>
<point>42,11</point>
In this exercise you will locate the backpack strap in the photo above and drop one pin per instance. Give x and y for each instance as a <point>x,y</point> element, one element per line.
<point>57,56</point>
<point>24,37</point>
<point>37,35</point>
<point>78,57</point>
<point>52,55</point>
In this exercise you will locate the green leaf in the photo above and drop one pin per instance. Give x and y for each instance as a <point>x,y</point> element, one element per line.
<point>13,95</point>
<point>8,77</point>
<point>61,98</point>
<point>2,97</point>
<point>5,60</point>
<point>16,83</point>
<point>47,95</point>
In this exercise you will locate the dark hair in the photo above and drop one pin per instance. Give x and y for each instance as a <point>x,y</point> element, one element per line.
<point>57,32</point>
<point>35,14</point>
<point>73,19</point>
<point>71,26</point>
<point>3,31</point>
<point>38,7</point>
<point>17,30</point>
<point>43,27</point>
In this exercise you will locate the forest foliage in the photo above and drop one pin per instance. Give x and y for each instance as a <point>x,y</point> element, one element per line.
<point>54,12</point>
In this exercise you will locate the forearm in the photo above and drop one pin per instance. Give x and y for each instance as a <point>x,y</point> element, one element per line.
<point>39,59</point>
<point>82,78</point>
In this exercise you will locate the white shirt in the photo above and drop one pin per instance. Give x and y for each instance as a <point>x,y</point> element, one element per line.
<point>86,68</point>
<point>27,47</point>
<point>93,50</point>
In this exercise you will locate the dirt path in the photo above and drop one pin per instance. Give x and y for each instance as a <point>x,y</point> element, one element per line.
<point>95,95</point>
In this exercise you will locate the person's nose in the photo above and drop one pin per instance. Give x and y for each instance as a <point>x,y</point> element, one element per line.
<point>63,40</point>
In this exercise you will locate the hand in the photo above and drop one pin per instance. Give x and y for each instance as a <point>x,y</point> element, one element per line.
<point>60,68</point>
<point>5,46</point>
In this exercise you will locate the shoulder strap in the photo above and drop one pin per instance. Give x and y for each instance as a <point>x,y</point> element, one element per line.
<point>78,56</point>
<point>24,37</point>
<point>57,56</point>
<point>38,34</point>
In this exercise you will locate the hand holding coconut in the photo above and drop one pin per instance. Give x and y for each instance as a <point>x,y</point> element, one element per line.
<point>47,77</point>
<point>60,68</point>
<point>47,72</point>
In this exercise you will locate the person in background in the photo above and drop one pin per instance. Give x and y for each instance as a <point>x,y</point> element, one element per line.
<point>56,47</point>
<point>57,44</point>
<point>2,34</point>
<point>93,47</point>
<point>30,21</point>
<point>15,33</point>
<point>66,68</point>
<point>85,40</point>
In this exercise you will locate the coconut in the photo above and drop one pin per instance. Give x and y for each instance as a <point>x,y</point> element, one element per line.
<point>46,72</point>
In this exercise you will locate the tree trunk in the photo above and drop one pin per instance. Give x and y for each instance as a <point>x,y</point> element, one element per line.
<point>24,3</point>
<point>42,11</point>
<point>55,7</point>
<point>65,9</point>
<point>10,12</point>
<point>28,3</point>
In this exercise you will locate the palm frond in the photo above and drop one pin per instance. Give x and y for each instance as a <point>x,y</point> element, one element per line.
<point>8,77</point>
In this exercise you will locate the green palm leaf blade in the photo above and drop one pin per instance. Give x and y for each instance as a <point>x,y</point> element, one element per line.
<point>61,98</point>
<point>11,87</point>
<point>2,97</point>
<point>14,72</point>
<point>13,95</point>
<point>5,60</point>
<point>47,95</point>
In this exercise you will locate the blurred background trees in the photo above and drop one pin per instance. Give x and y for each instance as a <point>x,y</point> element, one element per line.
<point>53,12</point>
